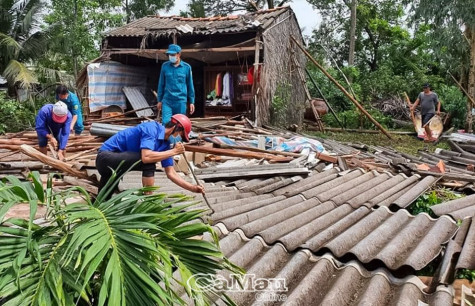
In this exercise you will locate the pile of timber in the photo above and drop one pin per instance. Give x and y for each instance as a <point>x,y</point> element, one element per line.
<point>19,154</point>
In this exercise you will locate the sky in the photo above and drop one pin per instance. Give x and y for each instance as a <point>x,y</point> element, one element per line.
<point>307,17</point>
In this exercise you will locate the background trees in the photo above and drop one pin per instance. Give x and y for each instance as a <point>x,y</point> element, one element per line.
<point>385,48</point>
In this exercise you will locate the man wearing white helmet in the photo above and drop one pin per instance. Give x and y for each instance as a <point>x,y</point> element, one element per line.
<point>53,123</point>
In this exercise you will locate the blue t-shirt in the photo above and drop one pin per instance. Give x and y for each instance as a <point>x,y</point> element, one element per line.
<point>72,101</point>
<point>147,135</point>
<point>44,125</point>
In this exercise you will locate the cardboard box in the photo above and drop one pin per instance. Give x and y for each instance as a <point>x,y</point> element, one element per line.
<point>180,163</point>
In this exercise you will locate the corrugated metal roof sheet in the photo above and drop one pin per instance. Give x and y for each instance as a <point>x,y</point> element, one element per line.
<point>137,100</point>
<point>312,280</point>
<point>286,220</point>
<point>467,254</point>
<point>165,26</point>
<point>458,209</point>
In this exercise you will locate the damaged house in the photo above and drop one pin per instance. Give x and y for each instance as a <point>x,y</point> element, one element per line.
<point>254,51</point>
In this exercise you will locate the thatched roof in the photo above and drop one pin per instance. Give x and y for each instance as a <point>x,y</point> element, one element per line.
<point>168,25</point>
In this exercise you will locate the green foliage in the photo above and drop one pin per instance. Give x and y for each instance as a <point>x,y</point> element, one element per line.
<point>337,99</point>
<point>196,9</point>
<point>279,105</point>
<point>15,116</point>
<point>392,55</point>
<point>431,198</point>
<point>466,274</point>
<point>453,102</point>
<point>352,119</point>
<point>226,7</point>
<point>21,40</point>
<point>121,251</point>
<point>77,30</point>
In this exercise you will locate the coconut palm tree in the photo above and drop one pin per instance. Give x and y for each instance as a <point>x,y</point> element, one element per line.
<point>21,40</point>
<point>132,249</point>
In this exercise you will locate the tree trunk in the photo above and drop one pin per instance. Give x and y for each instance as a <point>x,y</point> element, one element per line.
<point>270,4</point>
<point>127,12</point>
<point>351,53</point>
<point>471,82</point>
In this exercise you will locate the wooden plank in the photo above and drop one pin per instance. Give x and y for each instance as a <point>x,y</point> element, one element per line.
<point>7,154</point>
<point>228,152</point>
<point>327,158</point>
<point>56,164</point>
<point>32,165</point>
<point>75,182</point>
<point>162,51</point>
<point>252,149</point>
<point>80,154</point>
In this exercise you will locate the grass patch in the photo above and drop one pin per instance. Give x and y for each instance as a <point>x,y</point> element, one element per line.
<point>403,143</point>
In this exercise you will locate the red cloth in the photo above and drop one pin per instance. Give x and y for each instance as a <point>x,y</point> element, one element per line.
<point>219,85</point>
<point>250,74</point>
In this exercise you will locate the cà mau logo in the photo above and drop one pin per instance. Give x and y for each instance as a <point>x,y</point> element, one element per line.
<point>234,282</point>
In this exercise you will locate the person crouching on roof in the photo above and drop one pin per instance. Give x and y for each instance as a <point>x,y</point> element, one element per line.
<point>53,124</point>
<point>149,143</point>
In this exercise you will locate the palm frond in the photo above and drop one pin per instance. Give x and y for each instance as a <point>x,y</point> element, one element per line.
<point>16,72</point>
<point>30,20</point>
<point>10,45</point>
<point>119,251</point>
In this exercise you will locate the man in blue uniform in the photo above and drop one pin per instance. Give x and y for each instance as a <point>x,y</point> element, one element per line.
<point>149,143</point>
<point>53,124</point>
<point>175,86</point>
<point>74,106</point>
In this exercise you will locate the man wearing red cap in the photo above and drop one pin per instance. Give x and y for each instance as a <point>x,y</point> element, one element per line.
<point>149,143</point>
<point>53,124</point>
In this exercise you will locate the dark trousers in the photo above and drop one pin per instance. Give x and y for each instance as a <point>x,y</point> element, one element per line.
<point>106,161</point>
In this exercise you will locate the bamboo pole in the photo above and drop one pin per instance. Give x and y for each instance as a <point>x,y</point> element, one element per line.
<point>324,99</point>
<point>357,104</point>
<point>197,182</point>
<point>463,89</point>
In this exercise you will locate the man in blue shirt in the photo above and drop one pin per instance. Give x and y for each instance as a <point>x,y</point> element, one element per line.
<point>53,123</point>
<point>74,106</point>
<point>175,86</point>
<point>148,142</point>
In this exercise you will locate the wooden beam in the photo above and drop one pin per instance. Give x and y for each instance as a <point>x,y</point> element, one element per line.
<point>80,154</point>
<point>195,50</point>
<point>366,131</point>
<point>57,164</point>
<point>225,146</point>
<point>357,104</point>
<point>229,152</point>
<point>75,182</point>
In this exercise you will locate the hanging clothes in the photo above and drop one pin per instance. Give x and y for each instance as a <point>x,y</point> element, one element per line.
<point>226,88</point>
<point>219,84</point>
